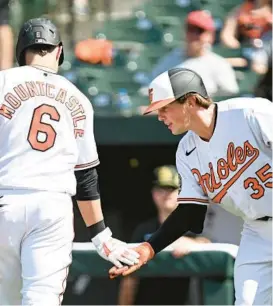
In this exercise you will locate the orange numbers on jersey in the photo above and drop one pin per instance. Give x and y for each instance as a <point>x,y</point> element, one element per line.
<point>259,183</point>
<point>38,128</point>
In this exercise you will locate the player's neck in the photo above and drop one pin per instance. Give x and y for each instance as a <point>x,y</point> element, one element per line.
<point>48,66</point>
<point>45,68</point>
<point>205,123</point>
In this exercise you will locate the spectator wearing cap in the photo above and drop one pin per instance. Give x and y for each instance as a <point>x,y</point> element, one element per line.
<point>196,54</point>
<point>159,291</point>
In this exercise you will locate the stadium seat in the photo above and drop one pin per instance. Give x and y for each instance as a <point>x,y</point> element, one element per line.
<point>173,36</point>
<point>169,7</point>
<point>172,10</point>
<point>227,52</point>
<point>139,102</point>
<point>154,51</point>
<point>135,29</point>
<point>230,4</point>
<point>100,94</point>
<point>167,21</point>
<point>247,81</point>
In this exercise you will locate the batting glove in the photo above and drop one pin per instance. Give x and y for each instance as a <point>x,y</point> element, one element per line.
<point>114,250</point>
<point>145,252</point>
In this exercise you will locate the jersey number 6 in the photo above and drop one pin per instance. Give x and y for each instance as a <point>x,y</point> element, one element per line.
<point>44,130</point>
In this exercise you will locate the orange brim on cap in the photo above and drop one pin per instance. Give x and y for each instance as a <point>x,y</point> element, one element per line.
<point>154,106</point>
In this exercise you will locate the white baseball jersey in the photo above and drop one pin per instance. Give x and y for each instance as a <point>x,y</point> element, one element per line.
<point>46,128</point>
<point>233,169</point>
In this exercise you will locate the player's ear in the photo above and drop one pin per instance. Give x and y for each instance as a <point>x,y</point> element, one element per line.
<point>191,101</point>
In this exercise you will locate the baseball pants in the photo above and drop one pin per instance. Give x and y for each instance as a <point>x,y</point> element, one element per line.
<point>253,265</point>
<point>36,234</point>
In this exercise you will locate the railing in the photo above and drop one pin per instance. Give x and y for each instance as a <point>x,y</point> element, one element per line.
<point>211,265</point>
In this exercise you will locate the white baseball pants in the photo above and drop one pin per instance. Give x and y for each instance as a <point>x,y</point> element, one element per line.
<point>253,265</point>
<point>36,234</point>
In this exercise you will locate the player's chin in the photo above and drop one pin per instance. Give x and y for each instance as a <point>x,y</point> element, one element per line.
<point>176,131</point>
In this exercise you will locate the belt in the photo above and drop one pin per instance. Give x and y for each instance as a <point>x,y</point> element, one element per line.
<point>265,218</point>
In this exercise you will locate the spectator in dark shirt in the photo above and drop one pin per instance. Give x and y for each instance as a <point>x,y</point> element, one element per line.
<point>160,290</point>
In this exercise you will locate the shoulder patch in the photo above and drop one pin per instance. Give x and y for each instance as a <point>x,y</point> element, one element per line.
<point>180,183</point>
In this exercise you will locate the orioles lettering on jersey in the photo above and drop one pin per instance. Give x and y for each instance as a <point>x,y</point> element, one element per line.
<point>28,90</point>
<point>228,169</point>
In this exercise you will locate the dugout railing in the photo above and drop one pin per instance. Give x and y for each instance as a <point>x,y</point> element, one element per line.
<point>210,265</point>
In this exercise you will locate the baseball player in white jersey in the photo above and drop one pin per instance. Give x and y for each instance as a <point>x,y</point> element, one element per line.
<point>224,159</point>
<point>47,154</point>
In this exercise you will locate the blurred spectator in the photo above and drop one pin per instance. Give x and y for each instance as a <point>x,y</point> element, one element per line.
<point>264,87</point>
<point>249,21</point>
<point>196,54</point>
<point>159,291</point>
<point>262,54</point>
<point>6,37</point>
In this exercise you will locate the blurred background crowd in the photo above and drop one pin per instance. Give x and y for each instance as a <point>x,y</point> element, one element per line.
<point>113,49</point>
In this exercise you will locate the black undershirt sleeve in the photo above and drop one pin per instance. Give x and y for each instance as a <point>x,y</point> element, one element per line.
<point>186,217</point>
<point>87,184</point>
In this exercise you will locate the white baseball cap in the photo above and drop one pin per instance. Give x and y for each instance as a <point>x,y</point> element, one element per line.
<point>172,85</point>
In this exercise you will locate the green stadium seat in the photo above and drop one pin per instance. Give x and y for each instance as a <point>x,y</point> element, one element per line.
<point>154,51</point>
<point>173,36</point>
<point>227,52</point>
<point>247,81</point>
<point>140,100</point>
<point>226,5</point>
<point>230,4</point>
<point>135,29</point>
<point>100,94</point>
<point>167,21</point>
<point>169,7</point>
<point>146,57</point>
<point>138,103</point>
<point>216,10</point>
<point>172,10</point>
<point>120,78</point>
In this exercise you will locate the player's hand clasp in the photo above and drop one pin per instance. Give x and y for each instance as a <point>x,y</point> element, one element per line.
<point>114,250</point>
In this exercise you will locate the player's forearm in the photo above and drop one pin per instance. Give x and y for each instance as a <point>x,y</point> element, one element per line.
<point>186,217</point>
<point>91,211</point>
<point>88,197</point>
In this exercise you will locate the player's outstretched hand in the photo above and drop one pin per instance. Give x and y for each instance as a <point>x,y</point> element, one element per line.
<point>114,250</point>
<point>145,252</point>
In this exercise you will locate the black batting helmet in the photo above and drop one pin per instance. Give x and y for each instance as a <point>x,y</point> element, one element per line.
<point>38,31</point>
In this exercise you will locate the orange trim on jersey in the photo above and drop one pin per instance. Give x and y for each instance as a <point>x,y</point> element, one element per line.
<point>88,165</point>
<point>192,200</point>
<point>235,177</point>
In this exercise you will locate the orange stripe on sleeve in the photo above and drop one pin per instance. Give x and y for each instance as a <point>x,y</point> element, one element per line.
<point>189,200</point>
<point>88,165</point>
